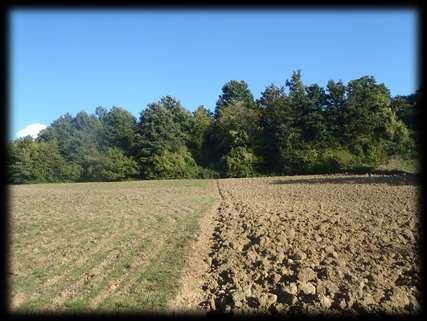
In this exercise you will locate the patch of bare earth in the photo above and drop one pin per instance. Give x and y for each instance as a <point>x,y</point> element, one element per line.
<point>190,291</point>
<point>314,244</point>
<point>17,300</point>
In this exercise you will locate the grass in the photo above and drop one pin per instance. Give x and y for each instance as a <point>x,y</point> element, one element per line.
<point>158,284</point>
<point>402,165</point>
<point>102,246</point>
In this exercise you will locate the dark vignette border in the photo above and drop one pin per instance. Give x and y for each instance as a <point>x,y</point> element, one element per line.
<point>188,5</point>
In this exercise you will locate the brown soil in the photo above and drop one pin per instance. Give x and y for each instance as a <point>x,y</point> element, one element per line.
<point>191,293</point>
<point>311,244</point>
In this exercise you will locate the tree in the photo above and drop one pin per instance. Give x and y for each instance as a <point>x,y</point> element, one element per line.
<point>369,121</point>
<point>75,136</point>
<point>20,163</point>
<point>163,126</point>
<point>234,91</point>
<point>334,113</point>
<point>289,129</point>
<point>404,107</point>
<point>62,131</point>
<point>283,124</point>
<point>237,125</point>
<point>313,119</point>
<point>118,129</point>
<point>173,164</point>
<point>117,166</point>
<point>273,104</point>
<point>236,122</point>
<point>239,162</point>
<point>202,120</point>
<point>36,162</point>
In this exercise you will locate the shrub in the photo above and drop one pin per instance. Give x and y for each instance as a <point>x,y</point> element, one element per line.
<point>115,166</point>
<point>169,165</point>
<point>207,173</point>
<point>335,160</point>
<point>239,162</point>
<point>374,156</point>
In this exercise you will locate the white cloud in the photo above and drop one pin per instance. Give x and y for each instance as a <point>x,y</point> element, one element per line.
<point>32,130</point>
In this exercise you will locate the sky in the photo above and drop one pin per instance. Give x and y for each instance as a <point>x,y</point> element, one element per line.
<point>68,61</point>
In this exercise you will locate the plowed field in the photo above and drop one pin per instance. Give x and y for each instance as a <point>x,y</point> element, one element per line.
<point>312,244</point>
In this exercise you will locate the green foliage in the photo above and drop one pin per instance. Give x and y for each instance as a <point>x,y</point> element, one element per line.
<point>202,121</point>
<point>405,109</point>
<point>335,160</point>
<point>234,91</point>
<point>373,156</point>
<point>207,173</point>
<point>239,162</point>
<point>236,124</point>
<point>62,131</point>
<point>290,129</point>
<point>164,126</point>
<point>118,128</point>
<point>173,164</point>
<point>117,166</point>
<point>273,123</point>
<point>397,163</point>
<point>34,162</point>
<point>76,136</point>
<point>92,165</point>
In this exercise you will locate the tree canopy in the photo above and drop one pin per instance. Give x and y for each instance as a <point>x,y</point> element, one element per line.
<point>290,129</point>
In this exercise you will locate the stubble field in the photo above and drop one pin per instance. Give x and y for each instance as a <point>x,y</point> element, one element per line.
<point>101,246</point>
<point>301,244</point>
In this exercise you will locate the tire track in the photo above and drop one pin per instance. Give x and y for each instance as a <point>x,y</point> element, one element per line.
<point>119,285</point>
<point>79,263</point>
<point>122,285</point>
<point>58,302</point>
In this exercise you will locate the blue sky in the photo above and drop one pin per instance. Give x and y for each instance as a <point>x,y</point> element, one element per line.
<point>68,61</point>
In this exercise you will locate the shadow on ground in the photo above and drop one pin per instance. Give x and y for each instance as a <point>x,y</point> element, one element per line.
<point>404,179</point>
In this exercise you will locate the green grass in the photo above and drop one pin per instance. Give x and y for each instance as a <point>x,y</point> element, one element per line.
<point>158,283</point>
<point>151,222</point>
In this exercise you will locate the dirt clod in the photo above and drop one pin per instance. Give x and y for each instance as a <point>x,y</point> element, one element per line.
<point>313,244</point>
<point>307,288</point>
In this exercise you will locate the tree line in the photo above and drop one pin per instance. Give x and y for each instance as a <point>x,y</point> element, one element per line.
<point>290,129</point>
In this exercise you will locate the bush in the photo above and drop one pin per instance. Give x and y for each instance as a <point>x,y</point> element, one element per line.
<point>207,173</point>
<point>170,165</point>
<point>374,156</point>
<point>335,160</point>
<point>115,166</point>
<point>310,161</point>
<point>239,162</point>
<point>397,163</point>
<point>71,172</point>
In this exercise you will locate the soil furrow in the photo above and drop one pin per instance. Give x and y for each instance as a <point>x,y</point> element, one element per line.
<point>287,247</point>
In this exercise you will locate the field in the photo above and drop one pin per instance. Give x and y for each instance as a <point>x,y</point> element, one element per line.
<point>102,246</point>
<point>329,243</point>
<point>311,244</point>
